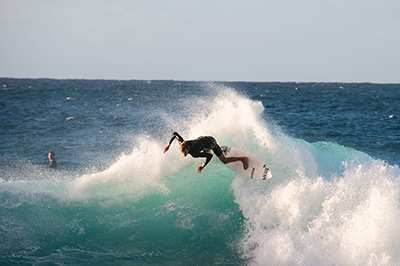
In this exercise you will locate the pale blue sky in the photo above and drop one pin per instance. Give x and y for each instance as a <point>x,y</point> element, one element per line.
<point>235,40</point>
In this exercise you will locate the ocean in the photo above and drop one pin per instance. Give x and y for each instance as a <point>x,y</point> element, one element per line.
<point>117,199</point>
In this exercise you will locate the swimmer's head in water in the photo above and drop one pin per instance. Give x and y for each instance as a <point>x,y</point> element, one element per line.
<point>51,155</point>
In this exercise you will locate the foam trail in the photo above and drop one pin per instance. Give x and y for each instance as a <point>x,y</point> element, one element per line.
<point>132,176</point>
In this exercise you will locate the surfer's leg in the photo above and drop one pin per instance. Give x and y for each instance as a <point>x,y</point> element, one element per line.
<point>226,160</point>
<point>218,151</point>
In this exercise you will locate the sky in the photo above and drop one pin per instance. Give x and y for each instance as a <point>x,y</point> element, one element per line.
<point>219,40</point>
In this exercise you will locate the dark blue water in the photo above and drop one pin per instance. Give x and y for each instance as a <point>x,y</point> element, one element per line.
<point>116,199</point>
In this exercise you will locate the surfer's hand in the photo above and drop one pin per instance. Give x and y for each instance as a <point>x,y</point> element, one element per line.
<point>166,149</point>
<point>199,169</point>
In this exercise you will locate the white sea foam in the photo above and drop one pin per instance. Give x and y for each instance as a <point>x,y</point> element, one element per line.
<point>351,218</point>
<point>131,176</point>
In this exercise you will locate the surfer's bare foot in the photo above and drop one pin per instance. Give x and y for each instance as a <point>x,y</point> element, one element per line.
<point>246,163</point>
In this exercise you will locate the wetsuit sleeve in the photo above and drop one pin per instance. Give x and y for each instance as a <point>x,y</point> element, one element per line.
<point>203,154</point>
<point>175,136</point>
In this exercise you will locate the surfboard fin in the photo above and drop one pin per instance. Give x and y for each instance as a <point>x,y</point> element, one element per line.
<point>265,173</point>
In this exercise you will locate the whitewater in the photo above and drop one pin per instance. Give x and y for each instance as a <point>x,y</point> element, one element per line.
<point>117,199</point>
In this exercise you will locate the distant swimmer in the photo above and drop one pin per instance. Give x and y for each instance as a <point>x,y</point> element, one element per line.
<point>53,162</point>
<point>200,147</point>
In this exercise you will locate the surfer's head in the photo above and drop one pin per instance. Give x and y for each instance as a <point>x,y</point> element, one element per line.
<point>184,148</point>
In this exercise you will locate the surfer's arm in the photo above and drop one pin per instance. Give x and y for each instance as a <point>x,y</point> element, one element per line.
<point>203,154</point>
<point>173,137</point>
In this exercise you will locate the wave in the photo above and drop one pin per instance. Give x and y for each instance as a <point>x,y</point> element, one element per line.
<point>326,203</point>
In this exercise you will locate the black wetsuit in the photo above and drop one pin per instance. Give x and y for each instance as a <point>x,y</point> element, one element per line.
<point>199,147</point>
<point>53,164</point>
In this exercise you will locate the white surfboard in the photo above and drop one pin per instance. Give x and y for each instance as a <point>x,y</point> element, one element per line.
<point>257,169</point>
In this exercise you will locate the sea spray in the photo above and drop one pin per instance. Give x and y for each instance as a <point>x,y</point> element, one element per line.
<point>229,116</point>
<point>132,176</point>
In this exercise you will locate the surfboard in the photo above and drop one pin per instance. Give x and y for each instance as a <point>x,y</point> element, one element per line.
<point>257,169</point>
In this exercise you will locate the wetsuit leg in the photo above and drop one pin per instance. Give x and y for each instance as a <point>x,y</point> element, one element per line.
<point>216,148</point>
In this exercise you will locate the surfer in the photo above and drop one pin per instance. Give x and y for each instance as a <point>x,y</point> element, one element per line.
<point>200,147</point>
<point>53,162</point>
